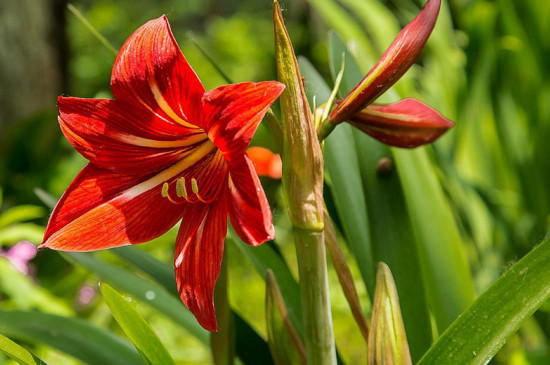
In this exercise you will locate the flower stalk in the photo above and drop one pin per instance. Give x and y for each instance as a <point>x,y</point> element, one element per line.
<point>303,189</point>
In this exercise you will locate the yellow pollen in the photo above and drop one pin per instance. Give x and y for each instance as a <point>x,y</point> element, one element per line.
<point>164,191</point>
<point>194,186</point>
<point>180,188</point>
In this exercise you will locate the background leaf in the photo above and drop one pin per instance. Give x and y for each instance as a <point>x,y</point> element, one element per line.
<point>73,336</point>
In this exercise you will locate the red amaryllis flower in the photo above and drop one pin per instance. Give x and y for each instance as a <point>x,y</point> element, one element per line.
<point>408,123</point>
<point>165,150</point>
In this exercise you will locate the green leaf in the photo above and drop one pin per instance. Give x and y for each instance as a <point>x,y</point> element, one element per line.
<point>445,267</point>
<point>159,271</point>
<point>21,231</point>
<point>391,233</point>
<point>263,258</point>
<point>345,25</point>
<point>250,347</point>
<point>21,213</point>
<point>145,290</point>
<point>136,328</point>
<point>18,353</point>
<point>481,331</point>
<point>72,336</point>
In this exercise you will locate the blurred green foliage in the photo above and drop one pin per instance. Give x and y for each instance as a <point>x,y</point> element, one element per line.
<point>485,67</point>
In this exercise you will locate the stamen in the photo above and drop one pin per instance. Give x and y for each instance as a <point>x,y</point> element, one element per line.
<point>164,191</point>
<point>194,186</point>
<point>180,188</point>
<point>165,194</point>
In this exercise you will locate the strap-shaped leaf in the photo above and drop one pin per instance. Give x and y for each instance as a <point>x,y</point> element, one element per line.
<point>481,331</point>
<point>75,337</point>
<point>136,328</point>
<point>151,293</point>
<point>18,353</point>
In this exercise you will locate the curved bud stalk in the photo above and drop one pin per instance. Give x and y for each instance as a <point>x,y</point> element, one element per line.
<point>344,276</point>
<point>282,338</point>
<point>387,338</point>
<point>303,189</point>
<point>397,59</point>
<point>408,123</point>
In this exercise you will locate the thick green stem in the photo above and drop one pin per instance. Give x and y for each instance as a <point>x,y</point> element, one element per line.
<point>312,265</point>
<point>303,189</point>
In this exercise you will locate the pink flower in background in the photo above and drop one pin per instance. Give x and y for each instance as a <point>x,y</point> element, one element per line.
<point>20,255</point>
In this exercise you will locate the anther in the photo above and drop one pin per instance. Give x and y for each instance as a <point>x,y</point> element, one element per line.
<point>194,186</point>
<point>180,188</point>
<point>164,191</point>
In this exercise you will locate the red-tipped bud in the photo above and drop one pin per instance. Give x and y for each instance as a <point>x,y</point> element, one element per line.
<point>407,123</point>
<point>397,59</point>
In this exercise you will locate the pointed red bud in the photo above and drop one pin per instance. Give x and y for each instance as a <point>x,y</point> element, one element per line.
<point>407,123</point>
<point>397,59</point>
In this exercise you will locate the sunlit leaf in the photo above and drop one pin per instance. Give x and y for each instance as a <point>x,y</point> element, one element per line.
<point>136,328</point>
<point>18,353</point>
<point>72,336</point>
<point>481,331</point>
<point>144,290</point>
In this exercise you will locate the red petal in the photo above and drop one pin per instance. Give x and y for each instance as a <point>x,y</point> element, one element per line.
<point>266,163</point>
<point>248,209</point>
<point>102,209</point>
<point>114,135</point>
<point>197,262</point>
<point>408,123</point>
<point>150,70</point>
<point>231,113</point>
<point>397,59</point>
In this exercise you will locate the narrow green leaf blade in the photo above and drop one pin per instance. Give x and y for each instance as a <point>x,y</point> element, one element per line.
<point>136,328</point>
<point>448,279</point>
<point>391,233</point>
<point>151,293</point>
<point>21,213</point>
<point>72,336</point>
<point>479,333</point>
<point>250,347</point>
<point>393,239</point>
<point>18,353</point>
<point>159,271</point>
<point>263,258</point>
